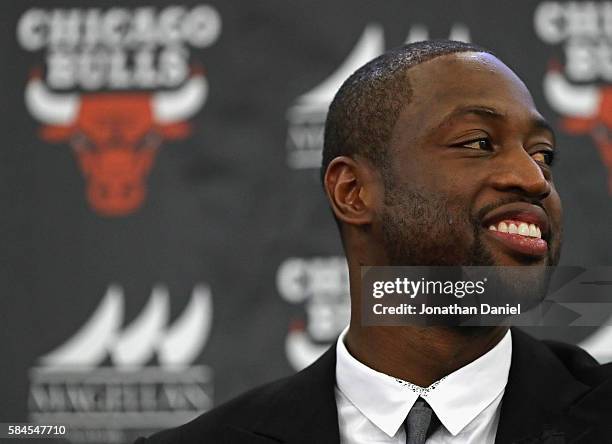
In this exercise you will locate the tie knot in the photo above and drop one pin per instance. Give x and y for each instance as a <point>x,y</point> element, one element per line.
<point>420,422</point>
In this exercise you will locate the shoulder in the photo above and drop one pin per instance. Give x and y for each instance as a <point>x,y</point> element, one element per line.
<point>242,412</point>
<point>567,363</point>
<point>568,358</point>
<point>597,400</point>
<point>268,409</point>
<point>580,364</point>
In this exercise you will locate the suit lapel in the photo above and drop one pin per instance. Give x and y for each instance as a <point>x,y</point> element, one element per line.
<point>305,412</point>
<point>235,435</point>
<point>539,390</point>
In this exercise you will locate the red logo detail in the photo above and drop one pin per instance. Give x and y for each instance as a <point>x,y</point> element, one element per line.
<point>587,110</point>
<point>115,136</point>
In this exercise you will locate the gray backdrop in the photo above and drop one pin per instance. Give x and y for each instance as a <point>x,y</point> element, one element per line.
<point>166,241</point>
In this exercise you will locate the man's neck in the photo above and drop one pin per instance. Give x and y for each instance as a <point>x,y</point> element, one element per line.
<point>420,355</point>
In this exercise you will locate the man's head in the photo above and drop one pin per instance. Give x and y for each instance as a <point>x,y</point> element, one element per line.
<point>431,145</point>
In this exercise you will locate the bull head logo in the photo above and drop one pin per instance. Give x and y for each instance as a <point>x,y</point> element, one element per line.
<point>115,136</point>
<point>587,110</point>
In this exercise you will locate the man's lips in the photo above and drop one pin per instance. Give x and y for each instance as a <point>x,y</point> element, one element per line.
<point>534,247</point>
<point>519,227</point>
<point>520,212</point>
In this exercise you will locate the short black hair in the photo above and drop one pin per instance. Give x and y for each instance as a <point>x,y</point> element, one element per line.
<point>365,109</point>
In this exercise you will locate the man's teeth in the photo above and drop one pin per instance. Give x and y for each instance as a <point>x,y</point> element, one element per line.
<point>520,228</point>
<point>512,229</point>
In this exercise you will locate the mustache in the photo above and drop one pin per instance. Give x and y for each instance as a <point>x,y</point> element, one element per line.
<point>481,213</point>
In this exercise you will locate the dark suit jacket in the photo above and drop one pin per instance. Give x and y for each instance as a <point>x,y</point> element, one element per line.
<point>556,394</point>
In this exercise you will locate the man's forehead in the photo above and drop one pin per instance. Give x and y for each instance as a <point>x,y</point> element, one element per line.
<point>446,85</point>
<point>466,76</point>
<point>466,60</point>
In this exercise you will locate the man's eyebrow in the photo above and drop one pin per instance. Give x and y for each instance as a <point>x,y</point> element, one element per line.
<point>479,110</point>
<point>490,113</point>
<point>542,124</point>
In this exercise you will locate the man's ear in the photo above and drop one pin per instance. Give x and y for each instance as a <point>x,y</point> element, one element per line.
<point>353,189</point>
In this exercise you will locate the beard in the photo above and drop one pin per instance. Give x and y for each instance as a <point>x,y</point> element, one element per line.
<point>420,228</point>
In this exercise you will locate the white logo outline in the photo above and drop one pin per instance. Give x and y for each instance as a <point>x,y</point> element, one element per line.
<point>101,335</point>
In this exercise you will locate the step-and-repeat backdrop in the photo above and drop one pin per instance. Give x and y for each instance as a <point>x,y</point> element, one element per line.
<point>166,243</point>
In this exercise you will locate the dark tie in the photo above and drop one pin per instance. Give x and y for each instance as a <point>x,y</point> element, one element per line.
<point>420,423</point>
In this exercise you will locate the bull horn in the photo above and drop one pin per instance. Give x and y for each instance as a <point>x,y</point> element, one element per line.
<point>568,99</point>
<point>49,107</point>
<point>179,105</point>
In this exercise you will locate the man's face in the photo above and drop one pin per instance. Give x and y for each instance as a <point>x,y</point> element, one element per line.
<point>468,181</point>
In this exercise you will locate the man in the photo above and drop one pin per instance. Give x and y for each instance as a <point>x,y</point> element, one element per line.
<point>433,151</point>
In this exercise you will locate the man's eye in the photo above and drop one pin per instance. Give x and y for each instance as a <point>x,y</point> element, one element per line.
<point>477,144</point>
<point>546,157</point>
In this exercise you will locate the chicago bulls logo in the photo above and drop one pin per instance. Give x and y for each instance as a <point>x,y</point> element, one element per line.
<point>587,110</point>
<point>115,136</point>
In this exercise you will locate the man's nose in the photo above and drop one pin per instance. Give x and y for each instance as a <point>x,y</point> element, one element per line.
<point>519,173</point>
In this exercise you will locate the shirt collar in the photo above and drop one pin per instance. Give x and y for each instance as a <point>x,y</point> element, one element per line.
<point>457,399</point>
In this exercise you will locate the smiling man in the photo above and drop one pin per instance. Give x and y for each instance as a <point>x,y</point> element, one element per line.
<point>435,154</point>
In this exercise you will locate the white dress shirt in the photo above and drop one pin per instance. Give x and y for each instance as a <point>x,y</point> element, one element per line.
<point>372,406</point>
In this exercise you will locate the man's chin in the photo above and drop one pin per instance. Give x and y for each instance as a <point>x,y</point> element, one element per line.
<point>502,260</point>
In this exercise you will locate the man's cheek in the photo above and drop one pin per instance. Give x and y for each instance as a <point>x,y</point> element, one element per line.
<point>455,236</point>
